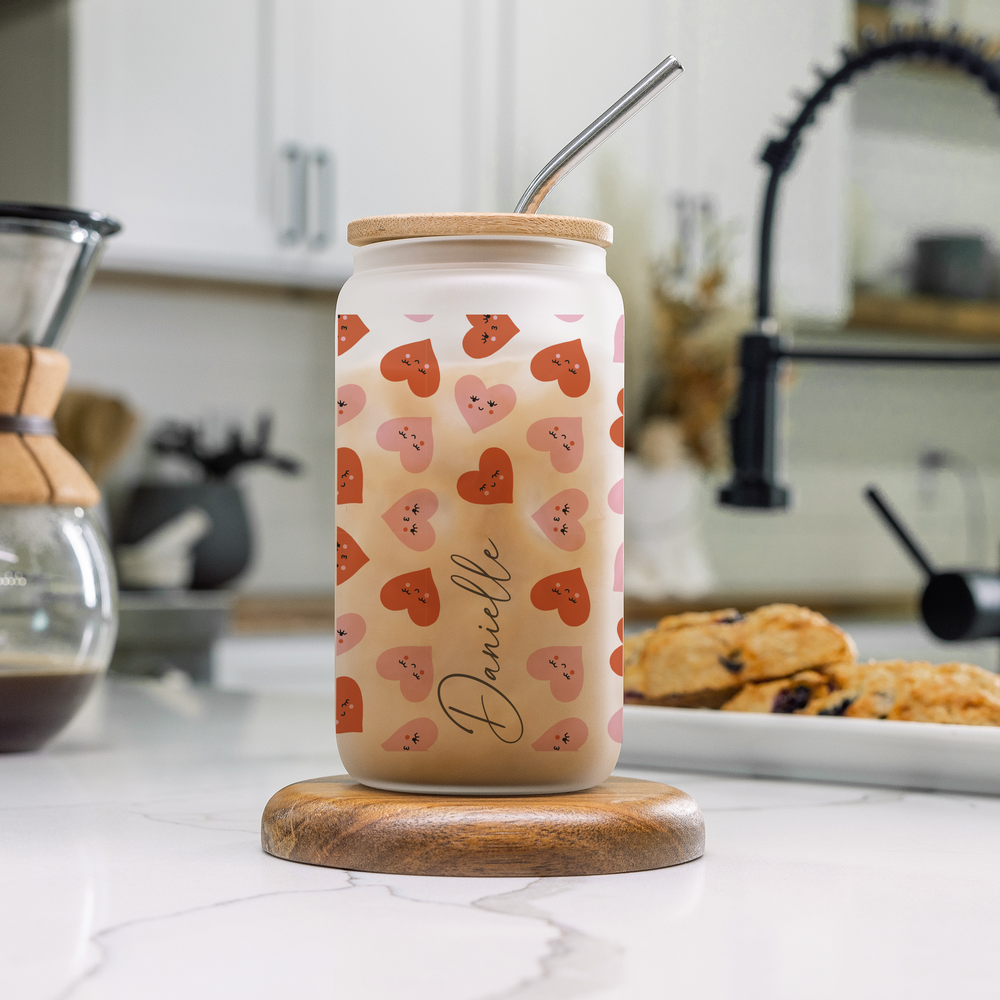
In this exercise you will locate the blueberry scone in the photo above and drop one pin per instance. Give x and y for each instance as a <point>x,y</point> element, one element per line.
<point>891,689</point>
<point>702,659</point>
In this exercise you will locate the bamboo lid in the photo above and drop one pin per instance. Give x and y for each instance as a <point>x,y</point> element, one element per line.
<point>379,228</point>
<point>34,467</point>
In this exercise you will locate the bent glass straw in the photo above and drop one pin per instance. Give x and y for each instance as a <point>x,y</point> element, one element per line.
<point>595,133</point>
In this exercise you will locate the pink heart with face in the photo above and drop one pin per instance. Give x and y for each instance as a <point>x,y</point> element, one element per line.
<point>616,497</point>
<point>562,667</point>
<point>409,519</point>
<point>482,405</point>
<point>568,734</point>
<point>417,734</point>
<point>620,569</point>
<point>562,438</point>
<point>350,631</point>
<point>559,518</point>
<point>411,666</point>
<point>615,726</point>
<point>350,402</point>
<point>411,437</point>
<point>620,340</point>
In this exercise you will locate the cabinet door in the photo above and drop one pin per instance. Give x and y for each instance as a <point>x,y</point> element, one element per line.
<point>167,133</point>
<point>702,137</point>
<point>378,89</point>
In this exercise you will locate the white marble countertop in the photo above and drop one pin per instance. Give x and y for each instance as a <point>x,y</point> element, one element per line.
<point>130,867</point>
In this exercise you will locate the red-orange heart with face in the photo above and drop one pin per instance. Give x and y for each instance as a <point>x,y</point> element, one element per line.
<point>563,592</point>
<point>414,593</point>
<point>565,363</point>
<point>350,476</point>
<point>492,482</point>
<point>350,556</point>
<point>490,331</point>
<point>414,364</point>
<point>350,708</point>
<point>350,330</point>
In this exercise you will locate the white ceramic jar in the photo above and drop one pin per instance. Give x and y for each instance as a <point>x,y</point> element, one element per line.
<point>479,507</point>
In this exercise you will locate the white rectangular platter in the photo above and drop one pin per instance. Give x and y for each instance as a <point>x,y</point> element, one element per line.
<point>818,748</point>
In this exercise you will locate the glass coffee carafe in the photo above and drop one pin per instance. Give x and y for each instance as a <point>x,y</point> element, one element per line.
<point>58,614</point>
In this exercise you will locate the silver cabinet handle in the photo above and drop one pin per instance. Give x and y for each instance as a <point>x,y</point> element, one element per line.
<point>292,228</point>
<point>320,199</point>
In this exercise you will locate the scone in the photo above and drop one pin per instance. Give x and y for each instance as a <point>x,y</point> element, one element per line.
<point>700,660</point>
<point>800,694</point>
<point>891,689</point>
<point>632,668</point>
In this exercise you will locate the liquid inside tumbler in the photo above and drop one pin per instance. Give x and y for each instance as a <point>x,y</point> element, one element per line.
<point>479,505</point>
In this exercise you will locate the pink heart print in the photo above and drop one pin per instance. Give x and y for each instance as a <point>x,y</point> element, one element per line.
<point>616,497</point>
<point>615,726</point>
<point>568,734</point>
<point>620,569</point>
<point>562,667</point>
<point>417,734</point>
<point>350,631</point>
<point>411,666</point>
<point>350,402</point>
<point>562,438</point>
<point>409,518</point>
<point>411,437</point>
<point>619,357</point>
<point>483,406</point>
<point>559,519</point>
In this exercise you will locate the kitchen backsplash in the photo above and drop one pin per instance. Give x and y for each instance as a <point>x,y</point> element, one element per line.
<point>188,351</point>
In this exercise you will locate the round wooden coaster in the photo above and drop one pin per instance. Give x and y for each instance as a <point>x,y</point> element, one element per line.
<point>379,228</point>
<point>622,825</point>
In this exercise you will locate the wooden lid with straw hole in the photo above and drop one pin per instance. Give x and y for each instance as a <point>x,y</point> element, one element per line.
<point>34,467</point>
<point>380,228</point>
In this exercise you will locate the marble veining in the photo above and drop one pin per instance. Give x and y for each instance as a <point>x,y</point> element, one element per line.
<point>130,867</point>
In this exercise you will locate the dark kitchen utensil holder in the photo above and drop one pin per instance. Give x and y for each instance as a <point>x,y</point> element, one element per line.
<point>955,605</point>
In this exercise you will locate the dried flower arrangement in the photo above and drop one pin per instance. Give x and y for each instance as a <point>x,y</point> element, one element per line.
<point>696,334</point>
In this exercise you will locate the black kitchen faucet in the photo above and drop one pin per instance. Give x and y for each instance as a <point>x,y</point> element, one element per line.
<point>956,604</point>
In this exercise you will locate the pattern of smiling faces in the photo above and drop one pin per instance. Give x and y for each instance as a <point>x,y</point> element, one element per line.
<point>480,405</point>
<point>412,667</point>
<point>560,519</point>
<point>562,438</point>
<point>409,518</point>
<point>412,438</point>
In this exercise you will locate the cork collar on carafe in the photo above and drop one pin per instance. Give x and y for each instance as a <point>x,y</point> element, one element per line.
<point>34,467</point>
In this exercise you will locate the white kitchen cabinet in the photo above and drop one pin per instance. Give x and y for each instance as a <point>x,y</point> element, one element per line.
<point>167,133</point>
<point>371,97</point>
<point>701,137</point>
<point>237,139</point>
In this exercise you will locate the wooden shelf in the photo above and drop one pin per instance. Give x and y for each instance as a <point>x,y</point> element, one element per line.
<point>952,318</point>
